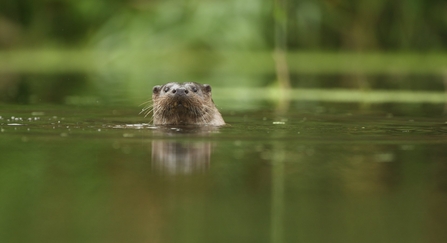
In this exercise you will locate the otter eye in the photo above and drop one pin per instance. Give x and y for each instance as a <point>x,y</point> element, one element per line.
<point>166,89</point>
<point>194,89</point>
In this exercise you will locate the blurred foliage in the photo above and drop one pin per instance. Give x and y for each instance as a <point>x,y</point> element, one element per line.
<point>327,24</point>
<point>121,48</point>
<point>57,22</point>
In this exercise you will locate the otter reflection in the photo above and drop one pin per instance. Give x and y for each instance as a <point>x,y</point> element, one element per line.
<point>182,150</point>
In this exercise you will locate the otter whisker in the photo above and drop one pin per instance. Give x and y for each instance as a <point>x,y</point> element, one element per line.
<point>147,113</point>
<point>145,109</point>
<point>145,102</point>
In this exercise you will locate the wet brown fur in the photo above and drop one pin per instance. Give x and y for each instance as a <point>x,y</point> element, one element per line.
<point>182,104</point>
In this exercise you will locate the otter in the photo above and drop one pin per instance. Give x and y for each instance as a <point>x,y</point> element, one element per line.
<point>184,104</point>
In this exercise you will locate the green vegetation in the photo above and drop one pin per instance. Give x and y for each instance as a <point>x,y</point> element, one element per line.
<point>319,25</point>
<point>120,49</point>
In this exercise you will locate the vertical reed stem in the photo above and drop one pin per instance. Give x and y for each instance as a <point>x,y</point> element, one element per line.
<point>279,55</point>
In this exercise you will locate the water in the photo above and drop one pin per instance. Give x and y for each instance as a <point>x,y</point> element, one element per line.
<point>314,172</point>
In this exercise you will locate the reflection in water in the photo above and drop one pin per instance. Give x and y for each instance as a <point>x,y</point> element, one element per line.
<point>185,154</point>
<point>180,158</point>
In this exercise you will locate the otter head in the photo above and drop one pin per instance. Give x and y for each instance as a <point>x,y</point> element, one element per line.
<point>184,103</point>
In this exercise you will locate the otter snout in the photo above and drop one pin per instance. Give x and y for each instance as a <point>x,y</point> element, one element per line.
<point>180,91</point>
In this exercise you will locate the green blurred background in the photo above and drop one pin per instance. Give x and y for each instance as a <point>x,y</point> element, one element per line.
<point>82,51</point>
<point>73,72</point>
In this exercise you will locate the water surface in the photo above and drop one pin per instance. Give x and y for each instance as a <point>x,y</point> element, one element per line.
<point>314,172</point>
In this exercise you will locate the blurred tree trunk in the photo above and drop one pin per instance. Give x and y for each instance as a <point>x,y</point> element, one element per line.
<point>280,52</point>
<point>280,18</point>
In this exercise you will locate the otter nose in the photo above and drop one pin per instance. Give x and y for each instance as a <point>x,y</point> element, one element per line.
<point>180,91</point>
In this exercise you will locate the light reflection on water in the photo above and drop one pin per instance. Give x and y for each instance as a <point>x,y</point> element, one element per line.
<point>331,175</point>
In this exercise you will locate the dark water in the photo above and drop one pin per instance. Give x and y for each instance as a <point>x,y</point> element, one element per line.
<point>311,173</point>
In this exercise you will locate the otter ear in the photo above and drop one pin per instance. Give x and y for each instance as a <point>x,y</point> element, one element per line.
<point>207,88</point>
<point>156,89</point>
